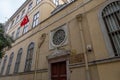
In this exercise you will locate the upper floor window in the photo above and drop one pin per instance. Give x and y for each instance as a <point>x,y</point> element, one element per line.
<point>23,13</point>
<point>25,29</point>
<point>12,23</point>
<point>36,19</point>
<point>29,57</point>
<point>12,35</point>
<point>56,2</point>
<point>111,18</point>
<point>30,6</point>
<point>17,18</point>
<point>8,26</point>
<point>18,59</point>
<point>4,64</point>
<point>37,1</point>
<point>18,32</point>
<point>9,63</point>
<point>69,1</point>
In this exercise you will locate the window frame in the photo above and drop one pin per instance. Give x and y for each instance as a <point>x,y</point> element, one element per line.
<point>35,19</point>
<point>28,62</point>
<point>23,13</point>
<point>104,29</point>
<point>18,60</point>
<point>30,6</point>
<point>25,29</point>
<point>69,1</point>
<point>12,23</point>
<point>17,18</point>
<point>13,35</point>
<point>18,33</point>
<point>9,26</point>
<point>38,1</point>
<point>56,2</point>
<point>3,65</point>
<point>9,63</point>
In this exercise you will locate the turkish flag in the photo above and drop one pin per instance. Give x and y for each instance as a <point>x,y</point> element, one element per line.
<point>24,21</point>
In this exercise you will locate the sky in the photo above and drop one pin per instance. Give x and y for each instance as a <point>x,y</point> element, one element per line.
<point>8,8</point>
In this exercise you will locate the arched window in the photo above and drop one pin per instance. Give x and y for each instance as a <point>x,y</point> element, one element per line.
<point>4,64</point>
<point>9,63</point>
<point>18,59</point>
<point>29,56</point>
<point>111,18</point>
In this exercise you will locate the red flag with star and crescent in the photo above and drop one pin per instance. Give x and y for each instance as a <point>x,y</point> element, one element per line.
<point>24,21</point>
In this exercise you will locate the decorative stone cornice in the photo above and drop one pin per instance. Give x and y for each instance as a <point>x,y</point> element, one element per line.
<point>58,53</point>
<point>79,17</point>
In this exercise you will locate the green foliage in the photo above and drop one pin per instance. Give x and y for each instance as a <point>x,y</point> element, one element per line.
<point>5,40</point>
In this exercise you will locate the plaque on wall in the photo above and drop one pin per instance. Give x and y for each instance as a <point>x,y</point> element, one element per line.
<point>76,58</point>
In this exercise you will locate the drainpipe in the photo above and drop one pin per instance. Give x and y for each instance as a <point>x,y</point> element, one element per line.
<point>79,19</point>
<point>40,42</point>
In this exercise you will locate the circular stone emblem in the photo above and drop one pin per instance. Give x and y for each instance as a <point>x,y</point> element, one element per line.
<point>59,37</point>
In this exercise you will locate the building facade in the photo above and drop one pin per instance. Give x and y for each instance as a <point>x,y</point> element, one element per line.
<point>64,40</point>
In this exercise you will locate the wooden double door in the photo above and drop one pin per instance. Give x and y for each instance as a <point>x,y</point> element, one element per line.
<point>58,71</point>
